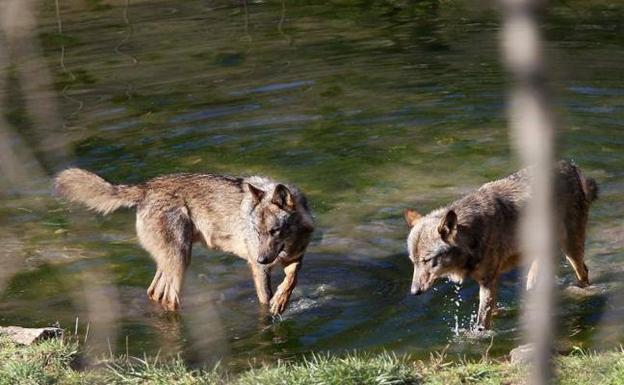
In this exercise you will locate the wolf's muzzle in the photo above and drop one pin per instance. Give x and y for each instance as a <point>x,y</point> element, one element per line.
<point>268,258</point>
<point>416,290</point>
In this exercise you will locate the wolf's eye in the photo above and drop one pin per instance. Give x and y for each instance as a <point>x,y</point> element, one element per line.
<point>433,259</point>
<point>274,231</point>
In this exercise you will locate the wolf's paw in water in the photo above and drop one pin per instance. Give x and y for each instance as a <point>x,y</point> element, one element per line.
<point>474,333</point>
<point>164,290</point>
<point>500,310</point>
<point>479,334</point>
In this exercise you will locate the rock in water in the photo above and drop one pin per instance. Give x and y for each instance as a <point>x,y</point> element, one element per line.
<point>584,292</point>
<point>26,336</point>
<point>522,354</point>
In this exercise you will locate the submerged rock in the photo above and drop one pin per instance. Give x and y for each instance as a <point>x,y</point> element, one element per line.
<point>26,336</point>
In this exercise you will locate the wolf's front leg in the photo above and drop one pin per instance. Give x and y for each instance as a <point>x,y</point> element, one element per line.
<point>285,289</point>
<point>262,281</point>
<point>487,304</point>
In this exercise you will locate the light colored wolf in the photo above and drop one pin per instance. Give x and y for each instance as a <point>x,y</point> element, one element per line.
<point>256,218</point>
<point>476,236</point>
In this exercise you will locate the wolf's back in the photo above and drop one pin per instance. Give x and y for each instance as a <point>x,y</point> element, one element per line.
<point>82,186</point>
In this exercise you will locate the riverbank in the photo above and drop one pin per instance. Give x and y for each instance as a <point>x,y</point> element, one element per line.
<point>60,361</point>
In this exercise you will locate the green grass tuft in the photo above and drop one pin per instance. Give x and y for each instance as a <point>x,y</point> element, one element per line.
<point>141,371</point>
<point>381,369</point>
<point>55,362</point>
<point>36,364</point>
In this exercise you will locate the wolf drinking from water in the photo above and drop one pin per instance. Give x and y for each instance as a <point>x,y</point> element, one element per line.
<point>256,218</point>
<point>476,236</point>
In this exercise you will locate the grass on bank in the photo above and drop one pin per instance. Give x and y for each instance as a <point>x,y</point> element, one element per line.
<point>59,362</point>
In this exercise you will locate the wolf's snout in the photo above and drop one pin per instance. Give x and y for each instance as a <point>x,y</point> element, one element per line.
<point>416,290</point>
<point>270,257</point>
<point>267,258</point>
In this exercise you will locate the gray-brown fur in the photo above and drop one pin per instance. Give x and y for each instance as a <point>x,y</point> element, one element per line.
<point>476,236</point>
<point>255,218</point>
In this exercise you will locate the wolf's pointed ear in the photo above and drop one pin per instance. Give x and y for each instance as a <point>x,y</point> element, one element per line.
<point>448,226</point>
<point>283,198</point>
<point>256,193</point>
<point>411,217</point>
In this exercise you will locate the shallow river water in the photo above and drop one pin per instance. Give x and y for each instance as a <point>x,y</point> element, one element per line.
<point>370,107</point>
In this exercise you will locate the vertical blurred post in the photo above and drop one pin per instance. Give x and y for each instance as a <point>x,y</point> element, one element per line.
<point>22,173</point>
<point>18,165</point>
<point>19,169</point>
<point>18,24</point>
<point>533,130</point>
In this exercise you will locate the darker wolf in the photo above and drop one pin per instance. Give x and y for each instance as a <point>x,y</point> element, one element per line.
<point>476,236</point>
<point>256,218</point>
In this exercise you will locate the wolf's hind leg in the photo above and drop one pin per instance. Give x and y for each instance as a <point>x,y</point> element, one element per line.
<point>152,287</point>
<point>167,234</point>
<point>160,290</point>
<point>576,258</point>
<point>487,304</point>
<point>574,248</point>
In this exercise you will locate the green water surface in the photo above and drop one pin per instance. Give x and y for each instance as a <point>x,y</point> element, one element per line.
<point>369,106</point>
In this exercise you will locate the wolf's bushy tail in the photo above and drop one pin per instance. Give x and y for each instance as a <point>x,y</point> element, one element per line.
<point>82,186</point>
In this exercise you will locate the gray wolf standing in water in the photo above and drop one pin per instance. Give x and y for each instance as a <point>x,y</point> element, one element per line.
<point>476,236</point>
<point>255,218</point>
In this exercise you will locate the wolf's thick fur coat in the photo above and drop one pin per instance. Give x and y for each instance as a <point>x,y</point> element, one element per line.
<point>255,218</point>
